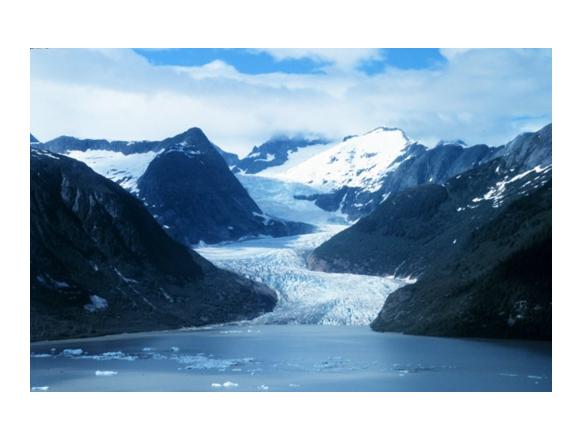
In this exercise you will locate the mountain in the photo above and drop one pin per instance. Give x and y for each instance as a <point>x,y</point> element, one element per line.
<point>529,149</point>
<point>355,175</point>
<point>185,182</point>
<point>122,161</point>
<point>499,286</point>
<point>231,159</point>
<point>482,225</point>
<point>192,193</point>
<point>428,218</point>
<point>33,140</point>
<point>357,161</point>
<point>101,264</point>
<point>275,152</point>
<point>457,142</point>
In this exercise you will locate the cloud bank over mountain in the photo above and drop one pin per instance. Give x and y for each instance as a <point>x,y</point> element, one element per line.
<point>484,96</point>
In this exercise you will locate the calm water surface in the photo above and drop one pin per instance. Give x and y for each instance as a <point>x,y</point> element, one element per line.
<point>288,358</point>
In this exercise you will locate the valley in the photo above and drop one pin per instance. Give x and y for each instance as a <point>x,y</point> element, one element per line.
<point>304,296</point>
<point>289,269</point>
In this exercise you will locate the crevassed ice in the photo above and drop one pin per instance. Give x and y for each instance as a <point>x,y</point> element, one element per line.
<point>304,296</point>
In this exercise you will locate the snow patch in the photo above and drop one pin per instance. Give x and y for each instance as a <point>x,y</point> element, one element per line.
<point>96,304</point>
<point>105,373</point>
<point>124,169</point>
<point>497,193</point>
<point>227,384</point>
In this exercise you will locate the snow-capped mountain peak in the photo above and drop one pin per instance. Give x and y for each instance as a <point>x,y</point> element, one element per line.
<point>357,161</point>
<point>456,142</point>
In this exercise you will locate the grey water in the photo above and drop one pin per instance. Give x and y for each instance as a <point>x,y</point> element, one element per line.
<point>288,358</point>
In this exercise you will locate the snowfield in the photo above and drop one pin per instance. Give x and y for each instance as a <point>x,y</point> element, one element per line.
<point>358,161</point>
<point>304,296</point>
<point>124,169</point>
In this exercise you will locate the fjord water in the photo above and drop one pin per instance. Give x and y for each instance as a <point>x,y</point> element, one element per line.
<point>289,358</point>
<point>323,343</point>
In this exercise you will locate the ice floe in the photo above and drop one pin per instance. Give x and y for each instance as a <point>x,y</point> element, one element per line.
<point>105,373</point>
<point>227,384</point>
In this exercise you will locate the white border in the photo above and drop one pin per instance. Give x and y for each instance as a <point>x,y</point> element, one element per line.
<point>297,23</point>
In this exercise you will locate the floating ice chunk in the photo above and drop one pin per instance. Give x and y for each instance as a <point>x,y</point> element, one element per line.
<point>69,352</point>
<point>199,362</point>
<point>40,355</point>
<point>112,355</point>
<point>174,349</point>
<point>227,384</point>
<point>263,387</point>
<point>42,388</point>
<point>105,373</point>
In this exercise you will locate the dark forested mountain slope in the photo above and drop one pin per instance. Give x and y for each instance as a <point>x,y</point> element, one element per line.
<point>101,264</point>
<point>415,227</point>
<point>479,245</point>
<point>500,285</point>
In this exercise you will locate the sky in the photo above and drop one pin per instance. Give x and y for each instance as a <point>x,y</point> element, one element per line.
<point>242,97</point>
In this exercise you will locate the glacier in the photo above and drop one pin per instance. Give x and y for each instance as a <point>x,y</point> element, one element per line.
<point>304,296</point>
<point>276,198</point>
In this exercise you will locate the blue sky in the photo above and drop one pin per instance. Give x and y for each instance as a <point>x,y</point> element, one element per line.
<point>240,97</point>
<point>260,62</point>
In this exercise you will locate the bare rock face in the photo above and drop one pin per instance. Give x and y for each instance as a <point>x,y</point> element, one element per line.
<point>101,264</point>
<point>275,152</point>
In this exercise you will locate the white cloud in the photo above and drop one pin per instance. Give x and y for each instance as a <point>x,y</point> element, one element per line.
<point>452,53</point>
<point>343,58</point>
<point>480,96</point>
